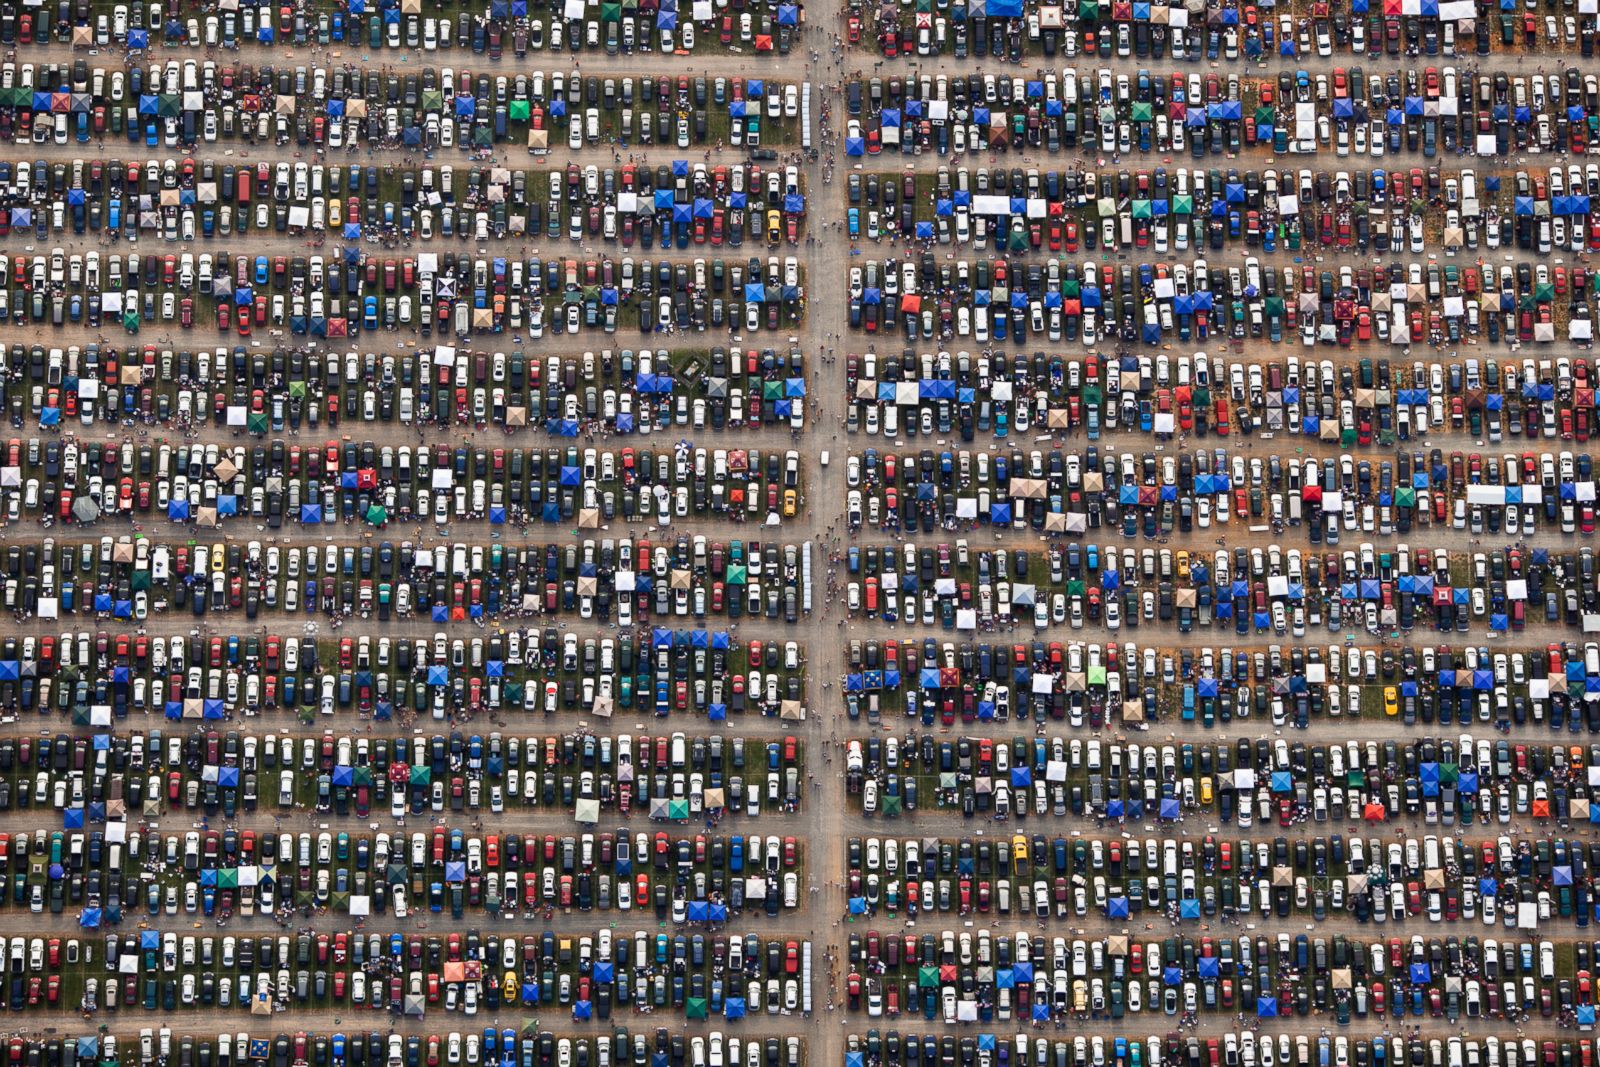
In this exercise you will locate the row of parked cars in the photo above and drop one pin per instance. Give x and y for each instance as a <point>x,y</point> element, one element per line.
<point>281,483</point>
<point>1303,878</point>
<point>988,302</point>
<point>1155,211</point>
<point>665,671</point>
<point>507,1048</point>
<point>469,973</point>
<point>1283,790</point>
<point>979,976</point>
<point>1146,494</point>
<point>486,29</point>
<point>191,103</point>
<point>220,873</point>
<point>1155,587</point>
<point>892,1049</point>
<point>1427,111</point>
<point>609,580</point>
<point>1229,31</point>
<point>224,772</point>
<point>182,200</point>
<point>612,391</point>
<point>992,682</point>
<point>462,295</point>
<point>1370,401</point>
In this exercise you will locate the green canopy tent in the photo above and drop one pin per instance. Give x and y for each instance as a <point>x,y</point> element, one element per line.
<point>695,1008</point>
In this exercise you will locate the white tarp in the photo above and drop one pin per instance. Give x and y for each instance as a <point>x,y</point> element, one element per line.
<point>1486,494</point>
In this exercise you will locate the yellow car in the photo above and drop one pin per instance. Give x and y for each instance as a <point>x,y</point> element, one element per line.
<point>791,503</point>
<point>1019,853</point>
<point>1391,700</point>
